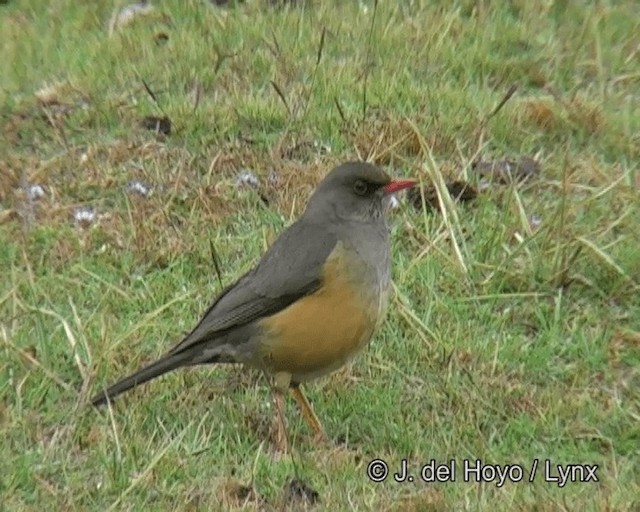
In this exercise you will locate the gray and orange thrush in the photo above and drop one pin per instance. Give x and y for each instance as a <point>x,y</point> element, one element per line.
<point>312,302</point>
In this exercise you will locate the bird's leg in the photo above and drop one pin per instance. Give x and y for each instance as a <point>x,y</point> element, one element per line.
<point>282,439</point>
<point>281,382</point>
<point>307,412</point>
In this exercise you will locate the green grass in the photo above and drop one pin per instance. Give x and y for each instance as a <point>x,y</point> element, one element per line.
<point>504,342</point>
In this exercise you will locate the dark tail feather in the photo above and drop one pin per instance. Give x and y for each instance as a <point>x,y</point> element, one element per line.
<point>155,369</point>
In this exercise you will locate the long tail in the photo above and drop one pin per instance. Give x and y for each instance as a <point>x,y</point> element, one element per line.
<point>161,366</point>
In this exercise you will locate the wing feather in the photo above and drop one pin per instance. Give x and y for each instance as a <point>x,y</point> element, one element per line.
<point>289,270</point>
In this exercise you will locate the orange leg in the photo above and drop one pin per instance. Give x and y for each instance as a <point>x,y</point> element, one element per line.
<point>308,414</point>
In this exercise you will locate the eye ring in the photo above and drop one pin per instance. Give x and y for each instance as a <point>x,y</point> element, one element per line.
<point>360,187</point>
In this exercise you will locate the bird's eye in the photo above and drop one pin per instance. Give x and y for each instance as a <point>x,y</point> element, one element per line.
<point>360,187</point>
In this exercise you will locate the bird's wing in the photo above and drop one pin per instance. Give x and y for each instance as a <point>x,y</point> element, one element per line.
<point>289,270</point>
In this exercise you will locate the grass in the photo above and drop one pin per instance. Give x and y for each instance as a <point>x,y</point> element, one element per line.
<point>514,332</point>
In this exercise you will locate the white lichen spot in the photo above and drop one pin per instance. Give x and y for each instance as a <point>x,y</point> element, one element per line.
<point>139,187</point>
<point>273,178</point>
<point>35,192</point>
<point>84,216</point>
<point>246,178</point>
<point>535,221</point>
<point>484,184</point>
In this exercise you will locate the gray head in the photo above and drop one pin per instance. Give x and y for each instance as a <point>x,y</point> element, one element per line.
<point>354,191</point>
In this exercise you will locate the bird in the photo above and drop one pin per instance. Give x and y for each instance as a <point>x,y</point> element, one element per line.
<point>311,303</point>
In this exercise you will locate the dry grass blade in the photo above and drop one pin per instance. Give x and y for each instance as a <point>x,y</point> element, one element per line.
<point>522,214</point>
<point>315,71</point>
<point>447,206</point>
<point>154,97</point>
<point>512,90</point>
<point>85,346</point>
<point>340,111</point>
<point>281,96</point>
<point>151,93</point>
<point>413,319</point>
<point>216,262</point>
<point>144,320</point>
<point>606,259</point>
<point>105,283</point>
<point>367,62</point>
<point>152,464</point>
<point>70,338</point>
<point>32,360</point>
<point>114,429</point>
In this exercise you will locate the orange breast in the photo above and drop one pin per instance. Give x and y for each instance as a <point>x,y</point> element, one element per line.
<point>320,332</point>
